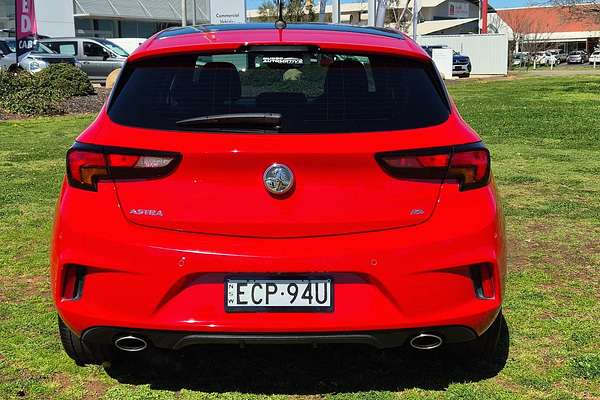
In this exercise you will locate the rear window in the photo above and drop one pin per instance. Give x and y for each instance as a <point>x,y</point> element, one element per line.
<point>281,91</point>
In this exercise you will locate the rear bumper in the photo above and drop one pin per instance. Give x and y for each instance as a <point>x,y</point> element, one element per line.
<point>149,279</point>
<point>174,340</point>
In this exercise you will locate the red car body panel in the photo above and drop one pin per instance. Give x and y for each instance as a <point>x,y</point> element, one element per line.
<point>391,270</point>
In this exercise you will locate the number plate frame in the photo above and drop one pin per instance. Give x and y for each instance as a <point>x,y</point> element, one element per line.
<point>279,309</point>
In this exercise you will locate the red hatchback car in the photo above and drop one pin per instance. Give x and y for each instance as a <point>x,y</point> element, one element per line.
<point>252,184</point>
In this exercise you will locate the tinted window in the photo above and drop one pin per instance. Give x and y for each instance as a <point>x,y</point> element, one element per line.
<point>114,47</point>
<point>313,92</point>
<point>67,48</point>
<point>4,48</point>
<point>39,48</point>
<point>93,50</point>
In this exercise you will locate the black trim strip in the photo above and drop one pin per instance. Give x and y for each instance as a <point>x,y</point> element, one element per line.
<point>177,340</point>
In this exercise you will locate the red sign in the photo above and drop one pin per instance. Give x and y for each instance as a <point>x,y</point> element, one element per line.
<point>26,27</point>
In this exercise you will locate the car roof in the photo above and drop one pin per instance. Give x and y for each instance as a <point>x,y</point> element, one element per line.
<point>71,39</point>
<point>229,37</point>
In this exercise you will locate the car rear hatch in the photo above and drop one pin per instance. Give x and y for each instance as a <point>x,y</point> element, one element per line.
<point>323,116</point>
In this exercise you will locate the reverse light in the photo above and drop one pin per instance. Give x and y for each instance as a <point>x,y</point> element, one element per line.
<point>468,165</point>
<point>89,164</point>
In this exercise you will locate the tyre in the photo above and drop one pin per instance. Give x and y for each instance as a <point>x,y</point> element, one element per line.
<point>485,347</point>
<point>80,352</point>
<point>14,68</point>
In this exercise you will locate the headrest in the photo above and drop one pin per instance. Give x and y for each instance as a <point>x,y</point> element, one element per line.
<point>220,81</point>
<point>346,77</point>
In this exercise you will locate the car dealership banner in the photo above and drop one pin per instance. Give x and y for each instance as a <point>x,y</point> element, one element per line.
<point>26,27</point>
<point>227,12</point>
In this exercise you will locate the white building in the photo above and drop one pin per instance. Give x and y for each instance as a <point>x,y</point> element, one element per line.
<point>435,16</point>
<point>105,18</point>
<point>142,18</point>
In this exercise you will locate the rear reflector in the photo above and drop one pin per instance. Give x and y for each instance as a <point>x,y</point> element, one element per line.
<point>88,164</point>
<point>73,282</point>
<point>468,165</point>
<point>483,280</point>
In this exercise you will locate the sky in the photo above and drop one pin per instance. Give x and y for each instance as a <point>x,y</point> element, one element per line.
<point>253,4</point>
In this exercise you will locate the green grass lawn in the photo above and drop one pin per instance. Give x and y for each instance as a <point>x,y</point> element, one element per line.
<point>544,135</point>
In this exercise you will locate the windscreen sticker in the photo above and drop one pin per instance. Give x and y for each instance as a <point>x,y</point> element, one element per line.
<point>283,60</point>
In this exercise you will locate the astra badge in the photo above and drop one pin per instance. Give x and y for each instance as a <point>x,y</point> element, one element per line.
<point>278,179</point>
<point>149,213</point>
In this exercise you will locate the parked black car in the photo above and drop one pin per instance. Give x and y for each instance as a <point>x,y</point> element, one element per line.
<point>461,65</point>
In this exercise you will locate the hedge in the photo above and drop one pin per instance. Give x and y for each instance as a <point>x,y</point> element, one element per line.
<point>42,93</point>
<point>70,81</point>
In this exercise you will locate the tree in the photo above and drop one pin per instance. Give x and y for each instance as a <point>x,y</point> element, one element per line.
<point>311,16</point>
<point>400,14</point>
<point>294,11</point>
<point>529,34</point>
<point>580,9</point>
<point>268,10</point>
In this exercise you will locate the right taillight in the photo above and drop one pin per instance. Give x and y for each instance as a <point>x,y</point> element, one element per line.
<point>468,165</point>
<point>88,164</point>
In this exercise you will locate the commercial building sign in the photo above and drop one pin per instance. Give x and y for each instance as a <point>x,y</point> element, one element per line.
<point>227,12</point>
<point>26,27</point>
<point>458,10</point>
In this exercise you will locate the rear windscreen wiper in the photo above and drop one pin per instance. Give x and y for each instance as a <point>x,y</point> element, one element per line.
<point>239,121</point>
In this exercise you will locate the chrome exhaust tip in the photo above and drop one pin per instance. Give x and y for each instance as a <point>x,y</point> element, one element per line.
<point>426,341</point>
<point>130,343</point>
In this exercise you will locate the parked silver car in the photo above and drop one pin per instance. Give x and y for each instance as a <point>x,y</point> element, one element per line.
<point>38,59</point>
<point>560,55</point>
<point>98,57</point>
<point>577,57</point>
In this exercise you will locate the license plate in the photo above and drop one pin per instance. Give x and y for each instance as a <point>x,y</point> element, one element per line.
<point>279,294</point>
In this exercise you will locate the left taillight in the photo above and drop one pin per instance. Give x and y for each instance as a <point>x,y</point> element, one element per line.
<point>468,165</point>
<point>89,164</point>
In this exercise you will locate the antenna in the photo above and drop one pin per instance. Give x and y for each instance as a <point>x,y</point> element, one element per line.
<point>280,23</point>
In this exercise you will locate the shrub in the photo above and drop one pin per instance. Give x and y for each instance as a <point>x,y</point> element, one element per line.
<point>44,92</point>
<point>66,79</point>
<point>23,93</point>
